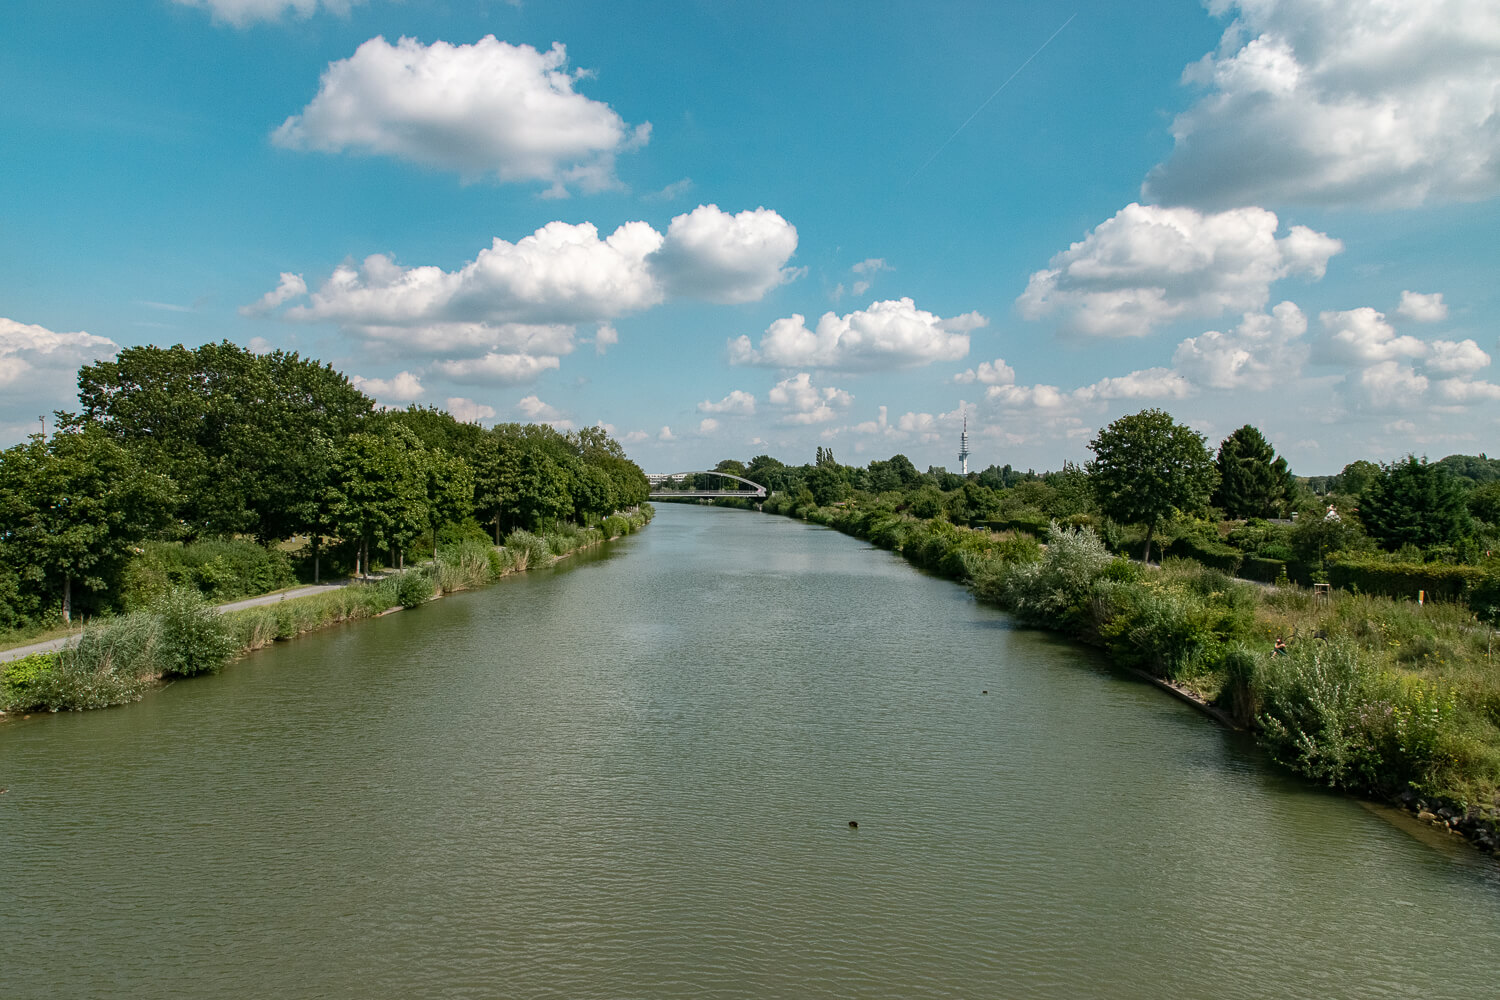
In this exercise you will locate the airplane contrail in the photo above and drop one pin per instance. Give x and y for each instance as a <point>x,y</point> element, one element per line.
<point>987,100</point>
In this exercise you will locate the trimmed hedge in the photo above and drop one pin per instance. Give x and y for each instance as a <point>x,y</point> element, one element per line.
<point>1215,555</point>
<point>1441,581</point>
<point>1262,569</point>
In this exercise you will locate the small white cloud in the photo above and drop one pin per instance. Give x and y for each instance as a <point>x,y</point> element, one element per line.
<point>1264,350</point>
<point>534,409</point>
<point>672,191</point>
<point>1362,337</point>
<point>467,410</point>
<point>1464,390</point>
<point>806,403</point>
<point>1149,265</point>
<point>666,434</point>
<point>867,268</point>
<point>995,372</point>
<point>605,338</point>
<point>738,403</point>
<point>888,335</point>
<point>710,254</point>
<point>491,108</point>
<point>707,425</point>
<point>242,12</point>
<point>290,286</point>
<point>506,369</point>
<point>1028,397</point>
<point>1422,308</point>
<point>634,437</point>
<point>259,345</point>
<point>402,387</point>
<point>1462,357</point>
<point>1148,383</point>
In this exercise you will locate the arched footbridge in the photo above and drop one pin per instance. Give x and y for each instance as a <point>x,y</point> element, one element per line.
<point>657,478</point>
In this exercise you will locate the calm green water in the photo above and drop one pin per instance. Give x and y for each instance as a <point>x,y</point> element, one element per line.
<point>633,776</point>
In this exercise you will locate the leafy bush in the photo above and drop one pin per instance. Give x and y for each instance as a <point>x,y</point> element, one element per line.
<point>192,638</point>
<point>615,526</point>
<point>220,569</point>
<point>1316,713</point>
<point>1262,569</point>
<point>1055,591</point>
<point>528,551</point>
<point>413,588</point>
<point>17,677</point>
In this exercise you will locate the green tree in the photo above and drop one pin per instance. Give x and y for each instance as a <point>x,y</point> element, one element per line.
<point>448,488</point>
<point>1357,477</point>
<point>1484,503</point>
<point>1253,480</point>
<point>827,483</point>
<point>72,510</point>
<point>380,496</point>
<point>1146,465</point>
<point>1412,502</point>
<point>237,431</point>
<point>543,492</point>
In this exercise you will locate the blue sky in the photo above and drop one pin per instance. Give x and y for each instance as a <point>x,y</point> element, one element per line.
<point>722,229</point>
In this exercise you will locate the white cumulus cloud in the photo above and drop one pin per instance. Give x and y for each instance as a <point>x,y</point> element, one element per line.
<point>888,335</point>
<point>497,368</point>
<point>806,403</point>
<point>468,410</point>
<point>38,368</point>
<point>1461,357</point>
<point>1423,308</point>
<point>995,372</point>
<point>1388,386</point>
<point>707,425</point>
<point>402,387</point>
<point>1149,265</point>
<point>490,108</point>
<point>737,403</point>
<point>1363,337</point>
<point>710,254</point>
<point>1266,348</point>
<point>291,286</point>
<point>1382,102</point>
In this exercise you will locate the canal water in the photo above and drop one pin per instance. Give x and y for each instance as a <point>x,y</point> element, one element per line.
<point>634,776</point>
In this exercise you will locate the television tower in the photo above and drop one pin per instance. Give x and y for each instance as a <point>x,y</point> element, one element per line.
<point>963,447</point>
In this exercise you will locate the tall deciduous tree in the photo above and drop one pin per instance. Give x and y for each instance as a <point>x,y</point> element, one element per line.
<point>1412,502</point>
<point>1146,465</point>
<point>380,498</point>
<point>72,509</point>
<point>237,431</point>
<point>1253,480</point>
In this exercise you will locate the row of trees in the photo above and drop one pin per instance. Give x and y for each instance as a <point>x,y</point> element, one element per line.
<point>183,443</point>
<point>1149,470</point>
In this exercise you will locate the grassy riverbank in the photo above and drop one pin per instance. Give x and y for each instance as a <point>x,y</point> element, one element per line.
<point>1387,699</point>
<point>179,634</point>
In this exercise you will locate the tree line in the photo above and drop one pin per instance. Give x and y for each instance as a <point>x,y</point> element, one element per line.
<point>1153,480</point>
<point>183,444</point>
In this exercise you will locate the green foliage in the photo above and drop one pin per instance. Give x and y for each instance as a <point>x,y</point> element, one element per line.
<point>1215,554</point>
<point>413,588</point>
<point>247,437</point>
<point>72,510</point>
<point>17,677</point>
<point>1253,481</point>
<point>1055,590</point>
<point>528,550</point>
<point>1315,715</point>
<point>192,638</point>
<point>220,569</point>
<point>1146,465</point>
<point>1402,580</point>
<point>1412,502</point>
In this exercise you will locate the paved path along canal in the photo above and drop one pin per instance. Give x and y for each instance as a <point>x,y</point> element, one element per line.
<point>634,775</point>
